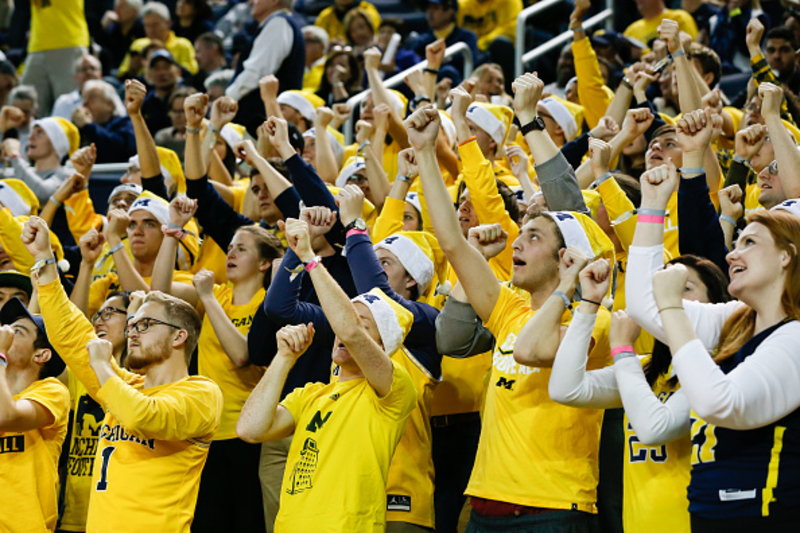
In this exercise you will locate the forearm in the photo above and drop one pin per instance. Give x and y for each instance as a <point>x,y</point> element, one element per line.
<point>217,171</point>
<point>689,95</point>
<point>164,268</point>
<point>129,277</point>
<point>786,154</point>
<point>460,332</point>
<point>570,383</point>
<point>276,183</point>
<point>538,341</point>
<point>232,341</point>
<point>324,159</point>
<point>259,412</point>
<point>42,188</point>
<point>145,147</point>
<point>654,422</point>
<point>48,212</point>
<point>378,181</point>
<point>696,211</point>
<point>620,103</point>
<point>560,186</point>
<point>80,292</point>
<point>193,159</point>
<point>542,146</point>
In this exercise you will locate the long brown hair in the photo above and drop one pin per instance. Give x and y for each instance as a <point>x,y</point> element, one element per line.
<point>740,326</point>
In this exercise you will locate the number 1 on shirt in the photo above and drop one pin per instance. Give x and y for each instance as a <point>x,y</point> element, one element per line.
<point>102,485</point>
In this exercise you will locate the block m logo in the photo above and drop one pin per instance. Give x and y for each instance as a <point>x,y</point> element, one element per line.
<point>317,422</point>
<point>507,383</point>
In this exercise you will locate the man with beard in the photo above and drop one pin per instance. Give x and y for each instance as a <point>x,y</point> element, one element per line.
<point>159,421</point>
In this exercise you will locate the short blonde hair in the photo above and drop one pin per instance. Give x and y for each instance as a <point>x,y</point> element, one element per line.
<point>182,315</point>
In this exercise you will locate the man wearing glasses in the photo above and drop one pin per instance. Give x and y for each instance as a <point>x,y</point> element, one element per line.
<point>159,421</point>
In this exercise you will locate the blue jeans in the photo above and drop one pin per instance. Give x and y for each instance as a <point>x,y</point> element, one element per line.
<point>557,522</point>
<point>454,449</point>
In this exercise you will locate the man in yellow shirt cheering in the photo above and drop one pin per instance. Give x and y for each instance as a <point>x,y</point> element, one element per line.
<point>344,433</point>
<point>159,421</point>
<point>653,12</point>
<point>536,462</point>
<point>34,411</point>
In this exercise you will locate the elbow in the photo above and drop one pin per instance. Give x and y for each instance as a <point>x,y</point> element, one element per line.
<point>559,394</point>
<point>650,438</point>
<point>533,357</point>
<point>247,433</point>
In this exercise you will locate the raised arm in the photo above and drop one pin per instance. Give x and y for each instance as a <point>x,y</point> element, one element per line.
<point>262,419</point>
<point>149,163</point>
<point>231,340</point>
<point>570,383</point>
<point>472,269</point>
<point>91,245</point>
<point>373,362</point>
<point>542,334</point>
<point>70,186</point>
<point>786,152</point>
<point>380,94</point>
<point>181,210</point>
<point>324,158</point>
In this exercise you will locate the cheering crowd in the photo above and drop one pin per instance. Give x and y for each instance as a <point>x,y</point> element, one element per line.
<point>562,302</point>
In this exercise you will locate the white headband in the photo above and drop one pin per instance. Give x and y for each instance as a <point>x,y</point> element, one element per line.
<point>417,264</point>
<point>572,231</point>
<point>299,102</point>
<point>562,116</point>
<point>56,134</point>
<point>486,121</point>
<point>385,319</point>
<point>353,168</point>
<point>154,207</point>
<point>13,201</point>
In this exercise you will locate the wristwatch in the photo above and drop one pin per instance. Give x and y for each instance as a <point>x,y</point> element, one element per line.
<point>537,124</point>
<point>358,224</point>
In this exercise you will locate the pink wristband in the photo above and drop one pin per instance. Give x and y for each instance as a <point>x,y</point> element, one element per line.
<point>651,219</point>
<point>312,264</point>
<point>622,349</point>
<point>355,231</point>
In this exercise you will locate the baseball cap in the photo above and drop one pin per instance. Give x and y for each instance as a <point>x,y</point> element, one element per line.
<point>16,279</point>
<point>162,54</point>
<point>12,311</point>
<point>446,4</point>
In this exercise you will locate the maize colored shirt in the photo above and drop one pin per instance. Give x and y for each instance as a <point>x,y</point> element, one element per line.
<point>533,451</point>
<point>655,478</point>
<point>29,462</point>
<point>329,21</point>
<point>593,94</point>
<point>181,49</point>
<point>236,383</point>
<point>490,19</point>
<point>86,420</point>
<point>154,441</point>
<point>344,439</point>
<point>57,24</point>
<point>645,30</point>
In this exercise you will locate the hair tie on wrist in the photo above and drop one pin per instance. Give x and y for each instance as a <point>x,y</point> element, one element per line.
<point>693,170</point>
<point>621,349</point>
<point>55,202</point>
<point>173,231</point>
<point>654,212</point>
<point>194,130</point>
<point>564,298</point>
<point>679,53</point>
<point>431,71</point>
<point>598,304</point>
<point>729,219</point>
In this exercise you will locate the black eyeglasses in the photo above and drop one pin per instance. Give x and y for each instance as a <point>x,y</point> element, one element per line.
<point>105,314</point>
<point>144,324</point>
<point>773,168</point>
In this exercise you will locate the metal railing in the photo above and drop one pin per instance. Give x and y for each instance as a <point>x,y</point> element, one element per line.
<point>397,79</point>
<point>521,58</point>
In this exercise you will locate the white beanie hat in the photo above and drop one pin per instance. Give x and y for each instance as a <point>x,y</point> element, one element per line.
<point>356,164</point>
<point>126,187</point>
<point>156,206</point>
<point>562,116</point>
<point>296,100</point>
<point>414,260</point>
<point>572,231</point>
<point>56,134</point>
<point>392,320</point>
<point>413,199</point>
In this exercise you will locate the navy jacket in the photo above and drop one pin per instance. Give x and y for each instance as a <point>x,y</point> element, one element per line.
<point>115,140</point>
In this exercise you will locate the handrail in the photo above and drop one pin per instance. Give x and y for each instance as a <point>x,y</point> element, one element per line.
<point>101,168</point>
<point>397,79</point>
<point>522,20</point>
<point>564,37</point>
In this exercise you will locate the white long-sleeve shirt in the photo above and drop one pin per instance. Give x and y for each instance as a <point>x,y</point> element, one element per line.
<point>272,45</point>
<point>764,388</point>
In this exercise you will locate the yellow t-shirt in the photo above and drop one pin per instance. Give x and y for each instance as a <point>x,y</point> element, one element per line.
<point>645,30</point>
<point>753,191</point>
<point>87,419</point>
<point>100,288</point>
<point>29,463</point>
<point>181,49</point>
<point>655,478</point>
<point>153,442</point>
<point>57,24</point>
<point>533,451</point>
<point>236,383</point>
<point>328,20</point>
<point>409,491</point>
<point>389,159</point>
<point>312,78</point>
<point>338,464</point>
<point>489,19</point>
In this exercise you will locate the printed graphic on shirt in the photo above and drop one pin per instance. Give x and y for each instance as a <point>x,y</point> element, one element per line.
<point>13,444</point>
<point>398,502</point>
<point>305,467</point>
<point>503,361</point>
<point>83,447</point>
<point>704,441</point>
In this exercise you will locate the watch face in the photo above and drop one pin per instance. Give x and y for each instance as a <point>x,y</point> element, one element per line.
<point>539,121</point>
<point>360,224</point>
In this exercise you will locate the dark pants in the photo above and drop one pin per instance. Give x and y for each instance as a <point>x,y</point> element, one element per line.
<point>609,488</point>
<point>454,448</point>
<point>783,521</point>
<point>230,492</point>
<point>557,522</point>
